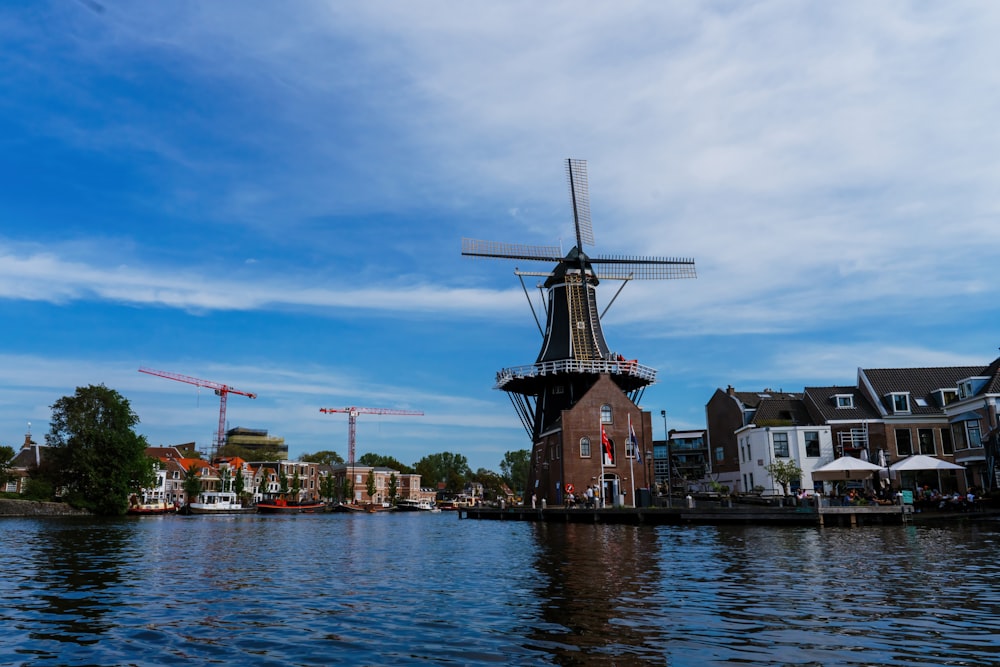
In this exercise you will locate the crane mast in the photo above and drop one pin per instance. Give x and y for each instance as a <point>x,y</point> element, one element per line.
<point>221,390</point>
<point>352,422</point>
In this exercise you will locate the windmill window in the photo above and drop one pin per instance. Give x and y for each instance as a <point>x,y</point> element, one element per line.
<point>558,389</point>
<point>606,416</point>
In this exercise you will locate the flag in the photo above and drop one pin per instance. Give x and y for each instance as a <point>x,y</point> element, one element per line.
<point>607,446</point>
<point>634,441</point>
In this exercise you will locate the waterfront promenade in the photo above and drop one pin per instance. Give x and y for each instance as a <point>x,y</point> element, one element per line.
<point>715,513</point>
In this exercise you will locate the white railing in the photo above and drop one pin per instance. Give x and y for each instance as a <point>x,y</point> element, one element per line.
<point>595,366</point>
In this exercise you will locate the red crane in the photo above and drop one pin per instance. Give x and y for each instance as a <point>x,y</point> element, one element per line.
<point>352,422</point>
<point>221,390</point>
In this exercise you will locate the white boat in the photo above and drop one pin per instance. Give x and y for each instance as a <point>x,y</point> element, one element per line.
<point>414,505</point>
<point>217,502</point>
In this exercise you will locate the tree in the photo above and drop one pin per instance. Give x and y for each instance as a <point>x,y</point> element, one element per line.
<point>239,484</point>
<point>370,485</point>
<point>393,488</point>
<point>7,455</point>
<point>325,457</point>
<point>192,483</point>
<point>783,473</point>
<point>328,487</point>
<point>514,469</point>
<point>492,483</point>
<point>379,461</point>
<point>99,459</point>
<point>450,469</point>
<point>283,482</point>
<point>296,484</point>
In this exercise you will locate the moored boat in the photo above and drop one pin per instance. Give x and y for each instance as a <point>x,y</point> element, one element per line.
<point>414,505</point>
<point>150,508</point>
<point>216,502</point>
<point>282,506</point>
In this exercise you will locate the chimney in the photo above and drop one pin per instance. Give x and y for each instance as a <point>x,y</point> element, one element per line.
<point>730,390</point>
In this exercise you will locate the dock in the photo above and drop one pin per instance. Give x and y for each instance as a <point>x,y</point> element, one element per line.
<point>849,516</point>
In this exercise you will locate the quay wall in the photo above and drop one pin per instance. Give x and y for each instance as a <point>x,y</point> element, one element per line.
<point>9,507</point>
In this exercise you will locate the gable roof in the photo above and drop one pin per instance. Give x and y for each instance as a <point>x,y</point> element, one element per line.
<point>822,399</point>
<point>786,409</point>
<point>918,382</point>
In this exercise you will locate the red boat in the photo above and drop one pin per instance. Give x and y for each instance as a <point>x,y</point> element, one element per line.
<point>282,506</point>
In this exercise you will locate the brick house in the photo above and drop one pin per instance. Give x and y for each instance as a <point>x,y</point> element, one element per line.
<point>570,454</point>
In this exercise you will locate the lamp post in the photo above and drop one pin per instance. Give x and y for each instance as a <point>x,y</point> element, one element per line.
<point>666,441</point>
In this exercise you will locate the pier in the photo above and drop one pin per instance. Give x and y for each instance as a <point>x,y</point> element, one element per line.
<point>850,516</point>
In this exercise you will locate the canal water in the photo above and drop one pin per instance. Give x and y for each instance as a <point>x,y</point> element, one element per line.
<point>430,589</point>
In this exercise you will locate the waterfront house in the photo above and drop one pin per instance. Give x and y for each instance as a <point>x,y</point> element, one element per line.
<point>28,459</point>
<point>781,430</point>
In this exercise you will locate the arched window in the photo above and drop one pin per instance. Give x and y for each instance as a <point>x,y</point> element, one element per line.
<point>585,447</point>
<point>606,417</point>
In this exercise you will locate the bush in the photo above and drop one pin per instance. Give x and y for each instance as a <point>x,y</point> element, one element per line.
<point>37,489</point>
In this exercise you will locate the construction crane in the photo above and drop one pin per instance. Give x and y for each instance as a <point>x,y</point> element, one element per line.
<point>221,390</point>
<point>352,422</point>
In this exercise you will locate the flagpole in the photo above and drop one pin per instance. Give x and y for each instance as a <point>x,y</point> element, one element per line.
<point>600,484</point>
<point>631,468</point>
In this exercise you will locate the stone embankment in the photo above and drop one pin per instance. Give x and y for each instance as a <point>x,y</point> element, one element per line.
<point>37,508</point>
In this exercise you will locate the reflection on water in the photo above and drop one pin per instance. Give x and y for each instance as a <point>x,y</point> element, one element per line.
<point>430,589</point>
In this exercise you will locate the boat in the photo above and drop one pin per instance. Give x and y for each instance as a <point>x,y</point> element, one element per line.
<point>282,506</point>
<point>414,505</point>
<point>346,507</point>
<point>150,508</point>
<point>217,502</point>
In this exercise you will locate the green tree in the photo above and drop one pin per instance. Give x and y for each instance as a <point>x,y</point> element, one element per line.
<point>325,457</point>
<point>492,483</point>
<point>379,461</point>
<point>450,469</point>
<point>393,488</point>
<point>296,484</point>
<point>192,483</point>
<point>282,481</point>
<point>7,455</point>
<point>370,485</point>
<point>514,469</point>
<point>98,456</point>
<point>328,487</point>
<point>239,483</point>
<point>783,473</point>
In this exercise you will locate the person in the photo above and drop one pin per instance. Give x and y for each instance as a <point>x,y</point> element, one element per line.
<point>534,499</point>
<point>590,497</point>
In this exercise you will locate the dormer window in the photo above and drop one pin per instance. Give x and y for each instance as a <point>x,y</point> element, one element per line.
<point>945,396</point>
<point>968,387</point>
<point>844,400</point>
<point>900,402</point>
<point>606,417</point>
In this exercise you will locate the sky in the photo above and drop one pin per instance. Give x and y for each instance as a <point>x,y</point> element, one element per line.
<point>272,196</point>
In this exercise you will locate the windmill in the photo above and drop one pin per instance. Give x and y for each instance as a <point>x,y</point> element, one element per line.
<point>574,352</point>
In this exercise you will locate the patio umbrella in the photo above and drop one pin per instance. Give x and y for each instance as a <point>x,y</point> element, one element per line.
<point>924,462</point>
<point>846,467</point>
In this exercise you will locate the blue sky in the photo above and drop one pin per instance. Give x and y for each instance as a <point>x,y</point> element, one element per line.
<point>273,196</point>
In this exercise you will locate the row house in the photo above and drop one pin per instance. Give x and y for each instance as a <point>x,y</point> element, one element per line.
<point>946,412</point>
<point>727,412</point>
<point>267,477</point>
<point>407,485</point>
<point>780,430</point>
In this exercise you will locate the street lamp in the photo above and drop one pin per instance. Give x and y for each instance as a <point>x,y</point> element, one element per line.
<point>666,441</point>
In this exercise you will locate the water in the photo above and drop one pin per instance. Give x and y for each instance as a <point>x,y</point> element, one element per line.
<point>418,589</point>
